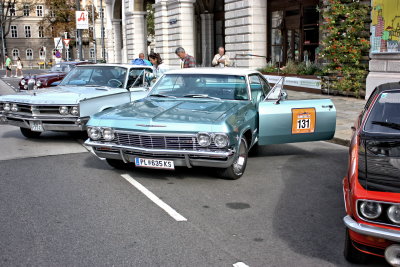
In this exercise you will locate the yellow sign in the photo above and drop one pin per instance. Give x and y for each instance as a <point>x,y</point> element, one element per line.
<point>303,120</point>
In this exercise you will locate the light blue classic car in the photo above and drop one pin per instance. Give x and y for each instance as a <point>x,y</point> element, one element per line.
<point>206,117</point>
<point>87,89</point>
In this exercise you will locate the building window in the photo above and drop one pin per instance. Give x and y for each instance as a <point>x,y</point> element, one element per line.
<point>42,53</point>
<point>12,10</point>
<point>28,32</point>
<point>101,13</point>
<point>77,54</point>
<point>15,54</point>
<point>91,54</point>
<point>26,10</point>
<point>41,32</point>
<point>52,13</point>
<point>39,11</point>
<point>14,31</point>
<point>29,54</point>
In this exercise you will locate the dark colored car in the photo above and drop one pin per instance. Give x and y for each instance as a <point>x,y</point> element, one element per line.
<point>372,185</point>
<point>55,75</point>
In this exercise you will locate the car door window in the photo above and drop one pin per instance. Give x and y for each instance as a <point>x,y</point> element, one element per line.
<point>136,77</point>
<point>264,85</point>
<point>256,87</point>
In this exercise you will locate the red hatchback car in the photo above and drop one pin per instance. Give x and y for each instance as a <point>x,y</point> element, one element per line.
<point>372,185</point>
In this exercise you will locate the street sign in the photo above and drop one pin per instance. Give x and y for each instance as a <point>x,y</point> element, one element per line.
<point>66,43</point>
<point>82,20</point>
<point>58,43</point>
<point>58,54</point>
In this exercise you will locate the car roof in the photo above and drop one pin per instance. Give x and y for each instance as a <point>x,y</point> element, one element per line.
<point>221,71</point>
<point>115,65</point>
<point>387,86</point>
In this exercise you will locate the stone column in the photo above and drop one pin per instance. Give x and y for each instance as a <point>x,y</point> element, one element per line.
<point>161,25</point>
<point>109,32</point>
<point>116,28</point>
<point>136,35</point>
<point>207,39</point>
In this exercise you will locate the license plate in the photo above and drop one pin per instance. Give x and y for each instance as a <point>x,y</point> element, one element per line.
<point>36,126</point>
<point>154,163</point>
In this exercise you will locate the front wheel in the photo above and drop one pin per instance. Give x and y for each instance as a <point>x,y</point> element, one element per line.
<point>351,254</point>
<point>29,134</point>
<point>117,164</point>
<point>236,170</point>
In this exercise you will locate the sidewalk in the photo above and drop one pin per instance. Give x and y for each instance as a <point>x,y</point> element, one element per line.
<point>347,111</point>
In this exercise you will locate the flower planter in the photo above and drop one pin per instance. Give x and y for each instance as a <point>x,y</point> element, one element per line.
<point>303,83</point>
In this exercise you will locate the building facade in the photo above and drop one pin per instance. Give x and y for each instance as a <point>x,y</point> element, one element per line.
<point>29,39</point>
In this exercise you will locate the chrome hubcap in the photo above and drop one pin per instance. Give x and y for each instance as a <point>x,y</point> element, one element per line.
<point>241,160</point>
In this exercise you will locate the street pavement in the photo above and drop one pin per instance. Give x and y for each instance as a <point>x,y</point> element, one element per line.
<point>62,206</point>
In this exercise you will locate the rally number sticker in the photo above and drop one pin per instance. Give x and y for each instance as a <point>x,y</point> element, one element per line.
<point>303,120</point>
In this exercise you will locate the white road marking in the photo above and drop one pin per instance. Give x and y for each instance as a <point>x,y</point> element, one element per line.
<point>173,213</point>
<point>240,264</point>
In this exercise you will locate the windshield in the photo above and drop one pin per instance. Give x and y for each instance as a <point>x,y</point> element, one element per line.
<point>212,86</point>
<point>385,114</point>
<point>109,76</point>
<point>62,68</point>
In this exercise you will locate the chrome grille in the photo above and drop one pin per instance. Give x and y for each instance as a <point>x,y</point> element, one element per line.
<point>27,109</point>
<point>157,142</point>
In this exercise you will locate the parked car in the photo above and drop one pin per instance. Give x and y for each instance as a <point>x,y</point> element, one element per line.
<point>87,89</point>
<point>206,117</point>
<point>372,185</point>
<point>52,78</point>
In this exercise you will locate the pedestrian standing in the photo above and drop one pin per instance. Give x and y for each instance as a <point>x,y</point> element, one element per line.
<point>159,66</point>
<point>187,61</point>
<point>8,66</point>
<point>141,61</point>
<point>19,68</point>
<point>221,60</point>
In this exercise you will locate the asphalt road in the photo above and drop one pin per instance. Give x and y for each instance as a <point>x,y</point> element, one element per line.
<point>62,206</point>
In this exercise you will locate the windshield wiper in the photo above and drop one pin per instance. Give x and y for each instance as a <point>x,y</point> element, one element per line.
<point>201,96</point>
<point>388,124</point>
<point>161,95</point>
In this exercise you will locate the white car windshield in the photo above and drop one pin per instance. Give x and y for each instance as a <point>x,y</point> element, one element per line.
<point>217,86</point>
<point>385,114</point>
<point>92,75</point>
<point>62,68</point>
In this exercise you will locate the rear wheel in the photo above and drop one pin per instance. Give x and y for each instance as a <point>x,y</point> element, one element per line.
<point>29,134</point>
<point>236,170</point>
<point>117,164</point>
<point>351,254</point>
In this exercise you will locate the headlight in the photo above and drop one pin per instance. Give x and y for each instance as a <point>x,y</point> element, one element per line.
<point>25,86</point>
<point>75,111</point>
<point>38,83</point>
<point>370,210</point>
<point>394,213</point>
<point>204,139</point>
<point>23,82</point>
<point>63,110</point>
<point>94,133</point>
<point>108,134</point>
<point>14,108</point>
<point>7,107</point>
<point>221,140</point>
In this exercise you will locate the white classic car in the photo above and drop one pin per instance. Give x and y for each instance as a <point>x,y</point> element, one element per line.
<point>86,90</point>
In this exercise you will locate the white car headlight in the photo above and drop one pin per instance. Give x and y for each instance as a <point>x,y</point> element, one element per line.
<point>7,107</point>
<point>38,83</point>
<point>74,111</point>
<point>14,108</point>
<point>63,110</point>
<point>23,82</point>
<point>108,134</point>
<point>221,140</point>
<point>394,213</point>
<point>370,210</point>
<point>204,139</point>
<point>94,133</point>
<point>25,86</point>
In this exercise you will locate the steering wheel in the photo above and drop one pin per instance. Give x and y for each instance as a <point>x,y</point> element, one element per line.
<point>114,83</point>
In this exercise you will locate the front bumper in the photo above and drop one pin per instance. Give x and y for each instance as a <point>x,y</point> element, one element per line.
<point>364,229</point>
<point>50,123</point>
<point>188,158</point>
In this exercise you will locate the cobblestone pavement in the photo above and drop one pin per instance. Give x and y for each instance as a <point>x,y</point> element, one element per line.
<point>347,111</point>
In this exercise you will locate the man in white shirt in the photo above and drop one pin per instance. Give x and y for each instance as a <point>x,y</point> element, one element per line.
<point>221,60</point>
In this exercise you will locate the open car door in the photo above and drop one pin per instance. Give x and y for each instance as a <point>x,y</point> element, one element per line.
<point>288,121</point>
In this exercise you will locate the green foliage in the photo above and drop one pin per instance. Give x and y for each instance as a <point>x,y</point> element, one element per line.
<point>302,68</point>
<point>345,41</point>
<point>150,19</point>
<point>270,67</point>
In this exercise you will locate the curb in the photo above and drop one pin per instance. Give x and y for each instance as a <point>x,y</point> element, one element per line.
<point>339,141</point>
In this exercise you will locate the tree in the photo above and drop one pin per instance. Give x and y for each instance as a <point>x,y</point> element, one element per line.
<point>61,17</point>
<point>150,19</point>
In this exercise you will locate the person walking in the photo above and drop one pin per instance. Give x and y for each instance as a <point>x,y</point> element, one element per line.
<point>159,66</point>
<point>19,68</point>
<point>221,60</point>
<point>187,61</point>
<point>8,67</point>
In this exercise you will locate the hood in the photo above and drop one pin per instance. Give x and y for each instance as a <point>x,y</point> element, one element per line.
<point>167,115</point>
<point>45,75</point>
<point>379,164</point>
<point>68,95</point>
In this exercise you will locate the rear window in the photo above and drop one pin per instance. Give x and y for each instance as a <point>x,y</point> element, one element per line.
<point>385,114</point>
